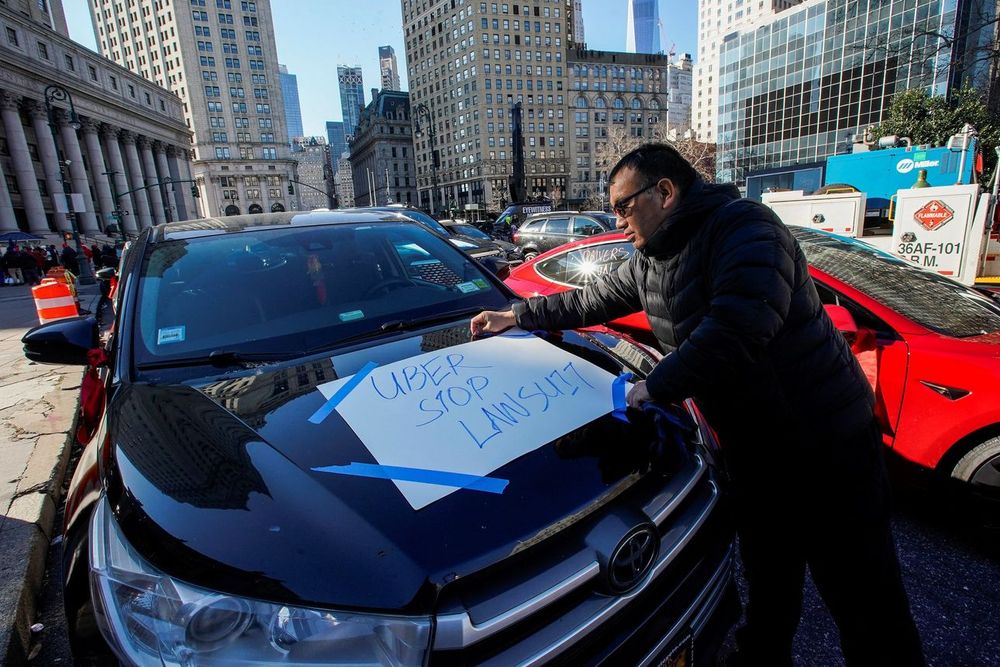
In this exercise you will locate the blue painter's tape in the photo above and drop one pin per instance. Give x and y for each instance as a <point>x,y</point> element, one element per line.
<point>341,393</point>
<point>618,396</point>
<point>439,477</point>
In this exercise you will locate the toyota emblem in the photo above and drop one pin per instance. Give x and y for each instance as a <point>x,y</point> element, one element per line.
<point>632,558</point>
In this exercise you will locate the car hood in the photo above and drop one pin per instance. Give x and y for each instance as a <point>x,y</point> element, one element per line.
<point>214,483</point>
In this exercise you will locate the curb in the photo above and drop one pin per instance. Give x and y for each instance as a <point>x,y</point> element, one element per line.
<point>29,526</point>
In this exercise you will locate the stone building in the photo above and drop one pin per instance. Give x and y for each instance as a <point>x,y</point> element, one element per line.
<point>315,176</point>
<point>220,59</point>
<point>105,133</point>
<point>382,158</point>
<point>343,182</point>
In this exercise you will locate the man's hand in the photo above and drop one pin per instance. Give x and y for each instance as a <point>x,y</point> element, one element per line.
<point>492,321</point>
<point>638,395</point>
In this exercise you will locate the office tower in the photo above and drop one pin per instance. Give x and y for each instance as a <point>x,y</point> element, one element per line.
<point>642,33</point>
<point>578,35</point>
<point>290,96</point>
<point>716,20</point>
<point>462,89</point>
<point>112,134</point>
<point>352,97</point>
<point>315,174</point>
<point>336,139</point>
<point>220,59</point>
<point>801,82</point>
<point>382,152</point>
<point>387,66</point>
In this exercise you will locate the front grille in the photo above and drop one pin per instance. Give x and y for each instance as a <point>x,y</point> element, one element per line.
<point>551,605</point>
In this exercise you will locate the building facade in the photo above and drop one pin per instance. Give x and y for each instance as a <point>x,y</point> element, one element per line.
<point>468,64</point>
<point>634,92</point>
<point>352,97</point>
<point>382,159</point>
<point>290,97</point>
<point>315,174</point>
<point>716,20</point>
<point>220,60</point>
<point>343,182</point>
<point>642,31</point>
<point>115,139</point>
<point>806,81</point>
<point>388,67</point>
<point>336,140</point>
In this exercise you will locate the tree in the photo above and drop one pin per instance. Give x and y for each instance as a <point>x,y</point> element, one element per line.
<point>700,155</point>
<point>932,120</point>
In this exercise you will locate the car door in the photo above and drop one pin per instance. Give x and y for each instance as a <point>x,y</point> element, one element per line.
<point>556,232</point>
<point>584,226</point>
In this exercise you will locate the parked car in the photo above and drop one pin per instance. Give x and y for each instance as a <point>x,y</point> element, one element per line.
<point>604,216</point>
<point>546,231</point>
<point>465,230</point>
<point>235,504</point>
<point>929,345</point>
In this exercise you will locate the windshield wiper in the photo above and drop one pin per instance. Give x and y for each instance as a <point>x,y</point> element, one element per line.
<point>221,359</point>
<point>417,322</point>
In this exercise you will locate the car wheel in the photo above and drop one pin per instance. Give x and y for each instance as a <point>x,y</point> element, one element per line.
<point>530,255</point>
<point>980,468</point>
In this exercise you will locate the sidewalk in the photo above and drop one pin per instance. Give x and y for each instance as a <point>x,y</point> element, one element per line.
<point>38,405</point>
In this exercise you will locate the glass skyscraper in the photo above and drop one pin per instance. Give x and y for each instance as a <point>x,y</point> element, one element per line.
<point>336,140</point>
<point>642,34</point>
<point>290,95</point>
<point>352,97</point>
<point>796,88</point>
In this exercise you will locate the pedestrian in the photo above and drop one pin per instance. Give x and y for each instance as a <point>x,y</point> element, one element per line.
<point>29,267</point>
<point>727,292</point>
<point>6,266</point>
<point>95,255</point>
<point>68,258</point>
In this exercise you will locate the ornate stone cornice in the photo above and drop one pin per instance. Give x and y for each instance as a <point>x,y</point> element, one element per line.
<point>90,126</point>
<point>172,151</point>
<point>159,147</point>
<point>8,102</point>
<point>109,132</point>
<point>143,142</point>
<point>127,137</point>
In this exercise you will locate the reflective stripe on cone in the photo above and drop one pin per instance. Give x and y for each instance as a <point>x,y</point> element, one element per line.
<point>53,301</point>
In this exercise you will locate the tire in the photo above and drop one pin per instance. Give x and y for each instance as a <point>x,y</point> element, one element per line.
<point>530,255</point>
<point>980,468</point>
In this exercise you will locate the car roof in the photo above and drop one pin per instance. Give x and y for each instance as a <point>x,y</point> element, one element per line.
<point>238,223</point>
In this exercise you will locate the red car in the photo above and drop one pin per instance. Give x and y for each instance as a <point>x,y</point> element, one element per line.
<point>929,345</point>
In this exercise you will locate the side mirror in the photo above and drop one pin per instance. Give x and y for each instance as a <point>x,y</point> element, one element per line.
<point>842,320</point>
<point>498,267</point>
<point>107,273</point>
<point>62,342</point>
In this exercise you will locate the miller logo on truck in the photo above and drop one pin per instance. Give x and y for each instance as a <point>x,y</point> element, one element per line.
<point>933,215</point>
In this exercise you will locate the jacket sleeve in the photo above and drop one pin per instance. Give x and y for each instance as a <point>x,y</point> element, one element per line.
<point>614,296</point>
<point>751,267</point>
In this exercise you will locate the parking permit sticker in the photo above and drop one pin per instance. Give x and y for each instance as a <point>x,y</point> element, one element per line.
<point>168,335</point>
<point>466,288</point>
<point>469,409</point>
<point>351,315</point>
<point>480,283</point>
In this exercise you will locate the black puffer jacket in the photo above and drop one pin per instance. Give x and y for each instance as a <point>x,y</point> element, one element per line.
<point>727,292</point>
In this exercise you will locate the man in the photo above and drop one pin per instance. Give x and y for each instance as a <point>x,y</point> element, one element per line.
<point>727,290</point>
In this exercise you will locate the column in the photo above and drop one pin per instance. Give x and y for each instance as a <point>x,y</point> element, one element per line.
<point>181,196</point>
<point>112,149</point>
<point>8,223</point>
<point>145,146</point>
<point>135,179</point>
<point>185,164</point>
<point>24,170</point>
<point>95,157</point>
<point>78,173</point>
<point>51,165</point>
<point>172,192</point>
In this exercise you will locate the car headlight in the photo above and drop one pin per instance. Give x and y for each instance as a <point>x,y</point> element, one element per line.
<point>149,618</point>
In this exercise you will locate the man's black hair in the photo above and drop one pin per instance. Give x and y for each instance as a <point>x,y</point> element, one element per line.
<point>656,161</point>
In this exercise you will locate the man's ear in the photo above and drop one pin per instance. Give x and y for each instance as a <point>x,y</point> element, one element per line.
<point>665,186</point>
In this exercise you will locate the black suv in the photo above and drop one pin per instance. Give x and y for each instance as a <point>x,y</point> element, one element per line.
<point>546,231</point>
<point>300,457</point>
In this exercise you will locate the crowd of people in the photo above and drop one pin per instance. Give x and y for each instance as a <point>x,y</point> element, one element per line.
<point>27,265</point>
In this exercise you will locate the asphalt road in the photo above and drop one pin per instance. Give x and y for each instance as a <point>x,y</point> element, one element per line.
<point>950,556</point>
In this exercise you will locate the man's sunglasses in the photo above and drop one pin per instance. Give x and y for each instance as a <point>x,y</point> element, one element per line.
<point>623,208</point>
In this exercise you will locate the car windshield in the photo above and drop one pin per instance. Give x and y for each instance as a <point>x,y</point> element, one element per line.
<point>471,232</point>
<point>297,289</point>
<point>424,219</point>
<point>933,301</point>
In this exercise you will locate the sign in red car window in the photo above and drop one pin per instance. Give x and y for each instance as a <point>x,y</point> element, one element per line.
<point>933,214</point>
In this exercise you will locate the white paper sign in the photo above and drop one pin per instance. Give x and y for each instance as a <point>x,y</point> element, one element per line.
<point>471,408</point>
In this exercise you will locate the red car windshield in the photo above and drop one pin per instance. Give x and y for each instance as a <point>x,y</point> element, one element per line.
<point>935,302</point>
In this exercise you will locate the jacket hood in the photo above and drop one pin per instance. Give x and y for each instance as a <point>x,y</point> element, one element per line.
<point>698,203</point>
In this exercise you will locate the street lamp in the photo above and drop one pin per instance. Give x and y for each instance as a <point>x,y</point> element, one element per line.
<point>425,113</point>
<point>54,93</point>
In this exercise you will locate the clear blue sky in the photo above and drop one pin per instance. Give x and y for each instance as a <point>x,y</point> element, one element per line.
<point>314,36</point>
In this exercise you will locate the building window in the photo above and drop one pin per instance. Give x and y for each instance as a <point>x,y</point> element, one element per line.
<point>93,72</point>
<point>70,65</point>
<point>114,82</point>
<point>43,51</point>
<point>222,153</point>
<point>270,153</point>
<point>12,37</point>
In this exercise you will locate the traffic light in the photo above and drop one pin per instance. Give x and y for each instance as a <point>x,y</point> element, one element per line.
<point>194,191</point>
<point>291,190</point>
